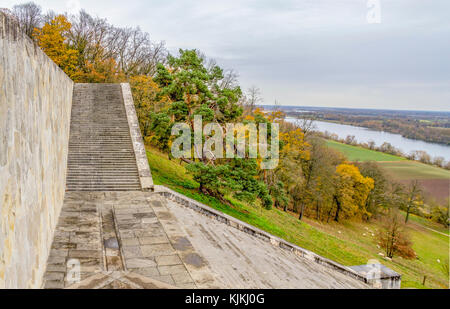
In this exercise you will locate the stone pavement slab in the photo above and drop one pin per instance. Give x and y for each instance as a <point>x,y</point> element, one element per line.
<point>113,232</point>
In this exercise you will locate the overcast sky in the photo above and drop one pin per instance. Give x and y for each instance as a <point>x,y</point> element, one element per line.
<point>305,52</point>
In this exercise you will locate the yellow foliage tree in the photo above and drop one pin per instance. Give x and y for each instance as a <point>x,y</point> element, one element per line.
<point>51,39</point>
<point>258,111</point>
<point>352,190</point>
<point>294,145</point>
<point>276,116</point>
<point>294,154</point>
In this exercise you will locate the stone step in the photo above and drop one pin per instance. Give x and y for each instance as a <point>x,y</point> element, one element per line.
<point>100,184</point>
<point>111,144</point>
<point>98,172</point>
<point>101,178</point>
<point>102,165</point>
<point>77,159</point>
<point>101,136</point>
<point>100,188</point>
<point>98,139</point>
<point>74,159</point>
<point>101,160</point>
<point>107,174</point>
<point>101,155</point>
<point>103,187</point>
<point>104,170</point>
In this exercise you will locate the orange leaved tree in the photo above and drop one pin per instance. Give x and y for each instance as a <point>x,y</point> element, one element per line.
<point>52,40</point>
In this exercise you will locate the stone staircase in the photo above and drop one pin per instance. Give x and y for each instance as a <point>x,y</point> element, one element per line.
<point>101,155</point>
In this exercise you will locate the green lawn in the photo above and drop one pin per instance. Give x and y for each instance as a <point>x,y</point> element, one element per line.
<point>355,153</point>
<point>351,243</point>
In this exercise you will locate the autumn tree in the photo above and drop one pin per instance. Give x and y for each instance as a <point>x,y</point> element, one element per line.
<point>440,215</point>
<point>52,39</point>
<point>323,187</point>
<point>352,190</point>
<point>307,125</point>
<point>146,100</point>
<point>295,151</point>
<point>378,199</point>
<point>413,198</point>
<point>392,236</point>
<point>99,71</point>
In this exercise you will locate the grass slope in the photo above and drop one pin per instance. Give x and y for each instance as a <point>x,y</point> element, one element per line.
<point>355,153</point>
<point>351,243</point>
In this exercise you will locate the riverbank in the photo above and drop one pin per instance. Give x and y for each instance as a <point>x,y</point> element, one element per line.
<point>389,142</point>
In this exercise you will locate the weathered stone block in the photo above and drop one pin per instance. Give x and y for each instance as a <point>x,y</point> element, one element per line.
<point>140,263</point>
<point>153,240</point>
<point>132,252</point>
<point>172,270</point>
<point>165,260</point>
<point>147,271</point>
<point>156,250</point>
<point>182,277</point>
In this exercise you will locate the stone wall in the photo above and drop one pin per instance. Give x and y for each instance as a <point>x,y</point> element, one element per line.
<point>35,107</point>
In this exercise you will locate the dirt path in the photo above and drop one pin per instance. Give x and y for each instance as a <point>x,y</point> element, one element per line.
<point>436,231</point>
<point>428,228</point>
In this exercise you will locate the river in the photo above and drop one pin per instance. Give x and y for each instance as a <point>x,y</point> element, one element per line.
<point>364,135</point>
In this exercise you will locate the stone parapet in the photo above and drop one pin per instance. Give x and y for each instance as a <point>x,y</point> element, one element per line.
<point>145,175</point>
<point>255,232</point>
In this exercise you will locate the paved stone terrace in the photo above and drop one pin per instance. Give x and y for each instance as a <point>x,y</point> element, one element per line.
<point>142,240</point>
<point>113,234</point>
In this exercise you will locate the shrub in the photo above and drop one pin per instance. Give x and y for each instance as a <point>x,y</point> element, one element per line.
<point>393,238</point>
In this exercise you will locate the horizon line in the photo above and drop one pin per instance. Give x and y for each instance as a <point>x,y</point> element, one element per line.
<point>364,108</point>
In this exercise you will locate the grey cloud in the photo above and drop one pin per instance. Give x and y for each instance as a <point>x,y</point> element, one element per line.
<point>308,52</point>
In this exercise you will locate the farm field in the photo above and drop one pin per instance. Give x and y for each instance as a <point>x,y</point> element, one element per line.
<point>351,243</point>
<point>434,181</point>
<point>415,170</point>
<point>355,153</point>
